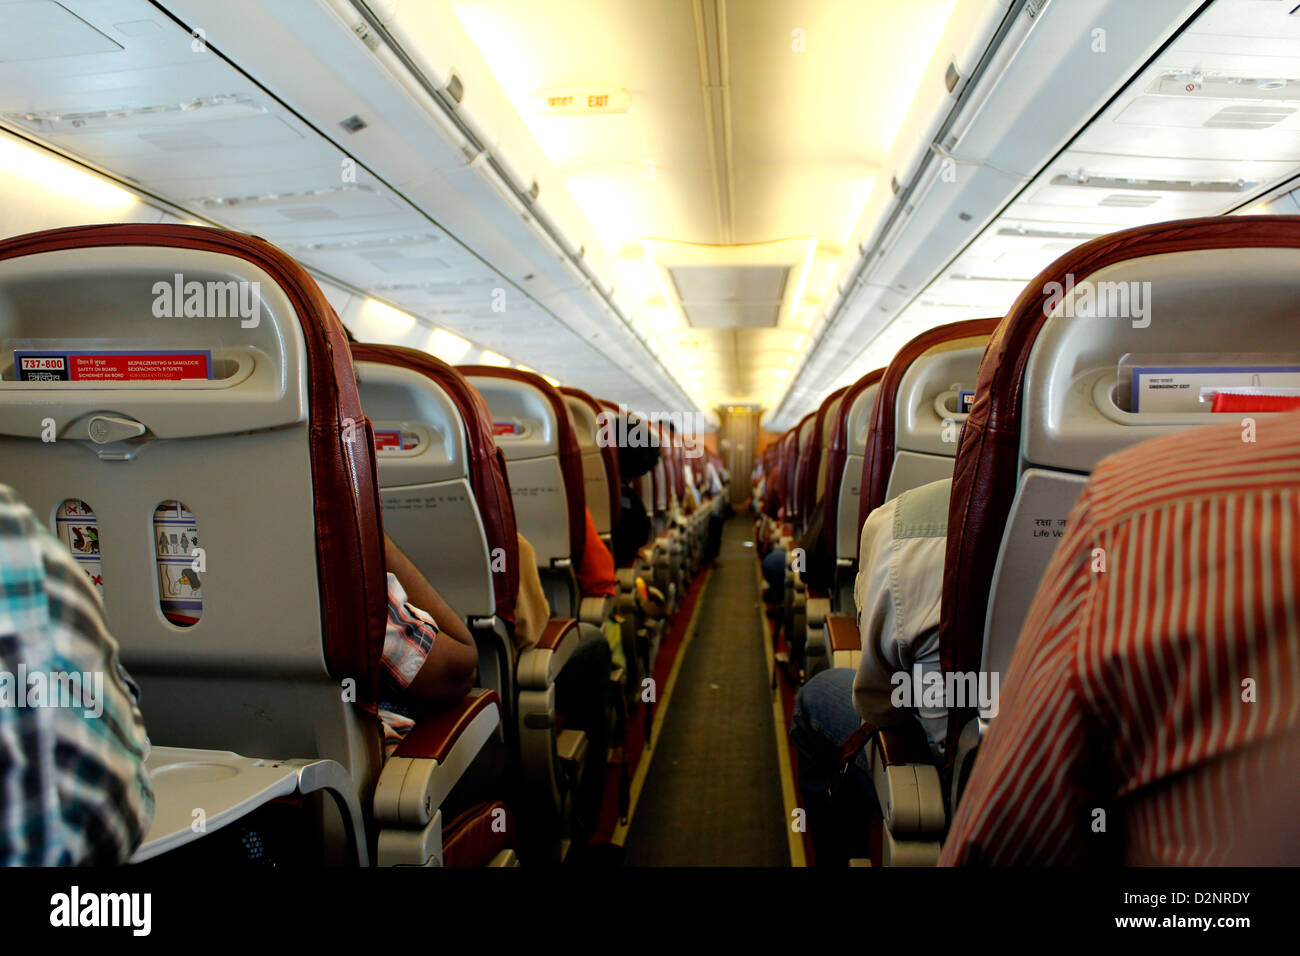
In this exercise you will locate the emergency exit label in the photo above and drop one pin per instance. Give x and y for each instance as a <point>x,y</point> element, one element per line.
<point>583,101</point>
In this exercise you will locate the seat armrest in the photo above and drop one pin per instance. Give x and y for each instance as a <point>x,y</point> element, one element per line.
<point>903,743</point>
<point>842,633</point>
<point>542,663</point>
<point>594,608</point>
<point>432,757</point>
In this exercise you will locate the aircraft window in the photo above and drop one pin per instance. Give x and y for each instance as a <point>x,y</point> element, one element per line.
<point>181,563</point>
<point>77,527</point>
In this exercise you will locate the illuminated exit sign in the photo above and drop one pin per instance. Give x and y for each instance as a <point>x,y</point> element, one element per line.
<point>583,101</point>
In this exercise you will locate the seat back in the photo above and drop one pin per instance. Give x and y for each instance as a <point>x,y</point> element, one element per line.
<point>844,464</point>
<point>1050,401</point>
<point>914,425</point>
<point>268,462</point>
<point>816,487</point>
<point>799,465</point>
<point>442,478</point>
<point>597,432</point>
<point>532,426</point>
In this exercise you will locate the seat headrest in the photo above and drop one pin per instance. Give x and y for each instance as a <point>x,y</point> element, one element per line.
<point>838,452</point>
<point>487,468</point>
<point>570,456</point>
<point>878,461</point>
<point>608,450</point>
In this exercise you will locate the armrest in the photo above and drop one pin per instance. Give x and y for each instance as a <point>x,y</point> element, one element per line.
<point>433,756</point>
<point>542,663</point>
<point>842,633</point>
<point>594,608</point>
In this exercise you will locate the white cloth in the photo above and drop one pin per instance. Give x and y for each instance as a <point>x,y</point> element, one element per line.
<point>898,594</point>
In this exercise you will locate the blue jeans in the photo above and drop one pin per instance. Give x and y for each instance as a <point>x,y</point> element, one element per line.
<point>774,572</point>
<point>823,720</point>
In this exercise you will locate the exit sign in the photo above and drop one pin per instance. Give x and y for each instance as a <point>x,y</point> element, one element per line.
<point>583,101</point>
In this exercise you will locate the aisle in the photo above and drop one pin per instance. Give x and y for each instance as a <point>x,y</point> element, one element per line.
<point>713,793</point>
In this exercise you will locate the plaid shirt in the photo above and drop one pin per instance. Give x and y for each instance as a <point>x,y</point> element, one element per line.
<point>407,642</point>
<point>73,787</point>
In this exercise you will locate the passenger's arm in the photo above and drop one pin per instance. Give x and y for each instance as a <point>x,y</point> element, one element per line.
<point>451,666</point>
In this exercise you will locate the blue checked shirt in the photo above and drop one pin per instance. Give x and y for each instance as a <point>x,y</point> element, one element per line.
<point>73,788</point>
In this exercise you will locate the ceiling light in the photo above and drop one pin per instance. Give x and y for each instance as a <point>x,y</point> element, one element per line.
<point>48,171</point>
<point>448,346</point>
<point>493,358</point>
<point>393,322</point>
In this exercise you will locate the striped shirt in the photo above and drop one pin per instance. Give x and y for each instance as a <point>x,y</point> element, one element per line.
<point>1154,691</point>
<point>73,786</point>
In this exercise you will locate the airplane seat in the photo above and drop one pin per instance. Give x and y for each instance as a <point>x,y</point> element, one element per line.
<point>436,459</point>
<point>532,426</point>
<point>599,459</point>
<point>817,599</point>
<point>187,385</point>
<point>844,483</point>
<point>792,619</point>
<point>1062,384</point>
<point>443,479</point>
<point>916,419</point>
<point>911,441</point>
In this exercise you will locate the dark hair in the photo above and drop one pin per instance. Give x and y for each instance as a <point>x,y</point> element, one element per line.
<point>348,332</point>
<point>636,459</point>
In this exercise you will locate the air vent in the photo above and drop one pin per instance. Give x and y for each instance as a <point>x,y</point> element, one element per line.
<point>1129,201</point>
<point>350,191</point>
<point>308,213</point>
<point>1081,178</point>
<point>224,106</point>
<point>1248,117</point>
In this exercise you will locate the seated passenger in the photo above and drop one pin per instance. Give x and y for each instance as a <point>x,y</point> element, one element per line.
<point>634,529</point>
<point>898,593</point>
<point>417,667</point>
<point>1152,706</point>
<point>73,786</point>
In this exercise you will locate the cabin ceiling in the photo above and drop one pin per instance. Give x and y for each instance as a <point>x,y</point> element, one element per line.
<point>749,125</point>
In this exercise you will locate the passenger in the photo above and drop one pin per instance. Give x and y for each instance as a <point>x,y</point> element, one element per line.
<point>418,669</point>
<point>73,785</point>
<point>1157,687</point>
<point>634,529</point>
<point>898,594</point>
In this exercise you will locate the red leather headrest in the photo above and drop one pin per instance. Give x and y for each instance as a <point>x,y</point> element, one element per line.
<point>985,472</point>
<point>570,454</point>
<point>838,453</point>
<point>487,465</point>
<point>349,536</point>
<point>878,461</point>
<point>808,489</point>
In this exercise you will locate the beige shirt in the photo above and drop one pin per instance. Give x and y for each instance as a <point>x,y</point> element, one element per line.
<point>898,592</point>
<point>531,608</point>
